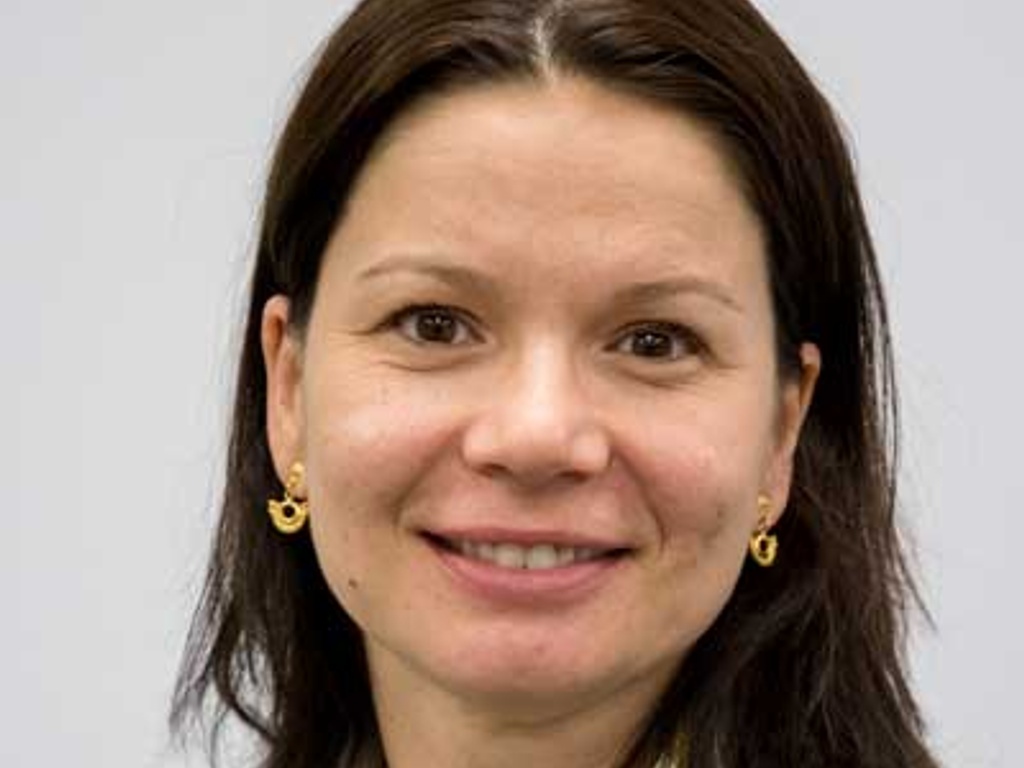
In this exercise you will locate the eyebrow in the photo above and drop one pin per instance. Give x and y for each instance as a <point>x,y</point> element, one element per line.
<point>632,293</point>
<point>662,289</point>
<point>452,274</point>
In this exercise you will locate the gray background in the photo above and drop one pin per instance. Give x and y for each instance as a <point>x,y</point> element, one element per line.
<point>134,137</point>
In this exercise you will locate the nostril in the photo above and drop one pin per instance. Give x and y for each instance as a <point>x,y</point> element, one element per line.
<point>591,451</point>
<point>535,463</point>
<point>504,441</point>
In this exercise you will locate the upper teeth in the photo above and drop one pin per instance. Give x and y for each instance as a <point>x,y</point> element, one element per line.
<point>536,557</point>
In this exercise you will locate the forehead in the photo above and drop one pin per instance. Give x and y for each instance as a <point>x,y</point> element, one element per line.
<point>563,166</point>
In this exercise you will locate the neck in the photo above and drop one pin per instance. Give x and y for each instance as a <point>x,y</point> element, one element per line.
<point>426,726</point>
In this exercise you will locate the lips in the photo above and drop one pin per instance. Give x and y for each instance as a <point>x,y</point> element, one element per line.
<point>526,567</point>
<point>532,570</point>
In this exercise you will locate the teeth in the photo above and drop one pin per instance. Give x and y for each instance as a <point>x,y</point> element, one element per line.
<point>544,556</point>
<point>509,556</point>
<point>536,558</point>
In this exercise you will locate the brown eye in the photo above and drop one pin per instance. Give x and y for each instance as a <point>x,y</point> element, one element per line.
<point>433,325</point>
<point>663,342</point>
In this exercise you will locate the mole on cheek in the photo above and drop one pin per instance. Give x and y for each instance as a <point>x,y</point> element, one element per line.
<point>353,584</point>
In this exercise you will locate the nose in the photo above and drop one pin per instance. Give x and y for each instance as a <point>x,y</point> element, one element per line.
<point>537,425</point>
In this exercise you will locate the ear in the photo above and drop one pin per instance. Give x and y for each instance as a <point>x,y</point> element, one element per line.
<point>282,360</point>
<point>797,392</point>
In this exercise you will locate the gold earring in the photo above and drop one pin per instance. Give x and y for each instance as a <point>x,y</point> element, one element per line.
<point>289,514</point>
<point>763,545</point>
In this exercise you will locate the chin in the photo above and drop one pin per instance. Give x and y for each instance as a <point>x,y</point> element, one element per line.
<point>531,674</point>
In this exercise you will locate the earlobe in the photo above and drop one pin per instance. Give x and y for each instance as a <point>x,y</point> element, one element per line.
<point>797,396</point>
<point>282,360</point>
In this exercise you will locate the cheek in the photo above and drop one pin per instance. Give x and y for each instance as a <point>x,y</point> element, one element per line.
<point>366,451</point>
<point>367,437</point>
<point>700,474</point>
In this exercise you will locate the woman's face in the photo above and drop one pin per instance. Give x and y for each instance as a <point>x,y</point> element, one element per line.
<point>537,398</point>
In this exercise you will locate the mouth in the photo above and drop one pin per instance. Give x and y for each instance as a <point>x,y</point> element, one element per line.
<point>534,556</point>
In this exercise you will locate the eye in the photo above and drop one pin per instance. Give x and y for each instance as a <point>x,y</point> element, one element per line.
<point>658,341</point>
<point>433,324</point>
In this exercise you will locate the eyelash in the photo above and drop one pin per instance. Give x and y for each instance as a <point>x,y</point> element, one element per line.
<point>679,337</point>
<point>416,312</point>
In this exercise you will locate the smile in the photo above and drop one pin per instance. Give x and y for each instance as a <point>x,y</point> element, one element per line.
<point>528,569</point>
<point>536,557</point>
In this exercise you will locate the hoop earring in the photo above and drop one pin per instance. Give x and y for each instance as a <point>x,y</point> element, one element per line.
<point>289,514</point>
<point>764,546</point>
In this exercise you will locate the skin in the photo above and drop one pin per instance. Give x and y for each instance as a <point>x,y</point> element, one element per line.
<point>558,221</point>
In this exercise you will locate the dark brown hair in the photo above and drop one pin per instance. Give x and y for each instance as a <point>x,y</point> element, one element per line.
<point>804,666</point>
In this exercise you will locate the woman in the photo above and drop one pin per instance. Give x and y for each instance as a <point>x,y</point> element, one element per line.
<point>562,427</point>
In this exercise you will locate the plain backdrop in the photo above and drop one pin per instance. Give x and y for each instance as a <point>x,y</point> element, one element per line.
<point>134,139</point>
